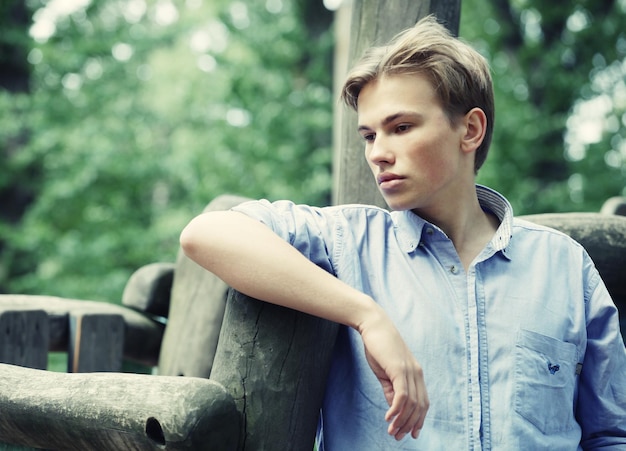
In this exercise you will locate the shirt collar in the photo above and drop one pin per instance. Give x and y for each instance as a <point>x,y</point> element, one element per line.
<point>409,226</point>
<point>497,204</point>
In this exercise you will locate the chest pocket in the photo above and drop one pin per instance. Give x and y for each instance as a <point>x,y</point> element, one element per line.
<point>545,379</point>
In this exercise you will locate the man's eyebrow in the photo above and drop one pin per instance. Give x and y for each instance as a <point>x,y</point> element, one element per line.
<point>391,118</point>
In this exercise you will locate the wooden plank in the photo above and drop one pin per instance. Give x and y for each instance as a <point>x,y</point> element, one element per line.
<point>274,361</point>
<point>24,338</point>
<point>148,289</point>
<point>96,342</point>
<point>114,411</point>
<point>143,334</point>
<point>196,310</point>
<point>374,23</point>
<point>614,206</point>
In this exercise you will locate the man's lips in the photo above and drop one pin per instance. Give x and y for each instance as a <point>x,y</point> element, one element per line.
<point>387,178</point>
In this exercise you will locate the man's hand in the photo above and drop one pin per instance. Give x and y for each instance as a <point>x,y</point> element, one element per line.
<point>399,373</point>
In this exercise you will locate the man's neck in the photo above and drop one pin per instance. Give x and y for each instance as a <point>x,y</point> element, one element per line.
<point>467,225</point>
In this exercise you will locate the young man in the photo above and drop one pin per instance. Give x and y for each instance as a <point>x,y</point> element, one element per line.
<point>500,329</point>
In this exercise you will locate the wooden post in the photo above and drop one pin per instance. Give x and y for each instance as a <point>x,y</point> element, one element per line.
<point>24,338</point>
<point>142,334</point>
<point>96,342</point>
<point>274,361</point>
<point>614,206</point>
<point>197,305</point>
<point>148,289</point>
<point>373,23</point>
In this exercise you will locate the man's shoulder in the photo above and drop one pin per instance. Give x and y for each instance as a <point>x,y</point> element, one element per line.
<point>335,216</point>
<point>533,226</point>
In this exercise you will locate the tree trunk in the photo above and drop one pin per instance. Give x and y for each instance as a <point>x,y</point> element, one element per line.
<point>14,46</point>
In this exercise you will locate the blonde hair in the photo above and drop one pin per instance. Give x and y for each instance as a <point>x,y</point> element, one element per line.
<point>459,74</point>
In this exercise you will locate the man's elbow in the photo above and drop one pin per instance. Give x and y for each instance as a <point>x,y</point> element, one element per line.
<point>208,235</point>
<point>191,237</point>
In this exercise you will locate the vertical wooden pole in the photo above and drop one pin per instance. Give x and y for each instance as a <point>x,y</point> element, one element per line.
<point>96,342</point>
<point>24,338</point>
<point>372,23</point>
<point>197,303</point>
<point>274,362</point>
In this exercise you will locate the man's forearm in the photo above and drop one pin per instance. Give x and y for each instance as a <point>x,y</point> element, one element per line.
<point>251,258</point>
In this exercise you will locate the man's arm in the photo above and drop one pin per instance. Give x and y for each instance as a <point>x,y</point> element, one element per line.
<point>252,259</point>
<point>601,407</point>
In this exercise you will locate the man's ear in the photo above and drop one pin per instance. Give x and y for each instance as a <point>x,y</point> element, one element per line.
<point>475,122</point>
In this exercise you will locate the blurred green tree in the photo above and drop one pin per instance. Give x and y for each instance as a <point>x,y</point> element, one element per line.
<point>139,113</point>
<point>559,74</point>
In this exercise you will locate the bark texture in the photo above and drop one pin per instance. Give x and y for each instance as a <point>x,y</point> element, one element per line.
<point>274,361</point>
<point>113,411</point>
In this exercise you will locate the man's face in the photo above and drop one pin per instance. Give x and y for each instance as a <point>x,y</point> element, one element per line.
<point>410,145</point>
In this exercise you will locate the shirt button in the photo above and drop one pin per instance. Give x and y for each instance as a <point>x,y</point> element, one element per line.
<point>430,231</point>
<point>454,269</point>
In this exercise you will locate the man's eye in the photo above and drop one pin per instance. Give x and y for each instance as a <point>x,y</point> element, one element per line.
<point>402,128</point>
<point>369,137</point>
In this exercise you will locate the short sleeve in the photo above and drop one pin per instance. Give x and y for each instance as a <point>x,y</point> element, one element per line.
<point>311,230</point>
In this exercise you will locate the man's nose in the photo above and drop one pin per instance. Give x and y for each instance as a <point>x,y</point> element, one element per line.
<point>379,152</point>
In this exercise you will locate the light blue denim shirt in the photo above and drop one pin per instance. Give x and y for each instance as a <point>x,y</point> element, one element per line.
<point>521,352</point>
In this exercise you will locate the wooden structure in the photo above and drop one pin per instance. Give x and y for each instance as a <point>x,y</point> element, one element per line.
<point>266,365</point>
<point>114,411</point>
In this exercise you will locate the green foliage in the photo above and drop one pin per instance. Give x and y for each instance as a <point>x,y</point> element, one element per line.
<point>553,149</point>
<point>140,114</point>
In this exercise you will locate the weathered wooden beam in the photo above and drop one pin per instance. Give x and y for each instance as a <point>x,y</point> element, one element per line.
<point>197,305</point>
<point>142,334</point>
<point>114,411</point>
<point>614,206</point>
<point>24,338</point>
<point>374,23</point>
<point>148,289</point>
<point>274,361</point>
<point>96,342</point>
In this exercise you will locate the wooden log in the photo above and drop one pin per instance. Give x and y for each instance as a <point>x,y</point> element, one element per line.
<point>614,206</point>
<point>142,334</point>
<point>274,361</point>
<point>374,23</point>
<point>96,342</point>
<point>148,289</point>
<point>114,411</point>
<point>24,338</point>
<point>196,310</point>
